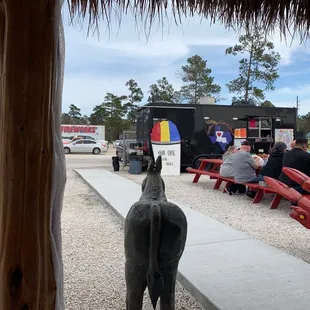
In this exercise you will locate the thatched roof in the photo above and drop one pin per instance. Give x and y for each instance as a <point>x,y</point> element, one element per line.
<point>287,15</point>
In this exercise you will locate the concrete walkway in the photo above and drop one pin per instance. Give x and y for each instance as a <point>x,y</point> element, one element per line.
<point>221,267</point>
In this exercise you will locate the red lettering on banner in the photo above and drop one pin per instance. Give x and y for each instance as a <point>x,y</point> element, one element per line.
<point>78,129</point>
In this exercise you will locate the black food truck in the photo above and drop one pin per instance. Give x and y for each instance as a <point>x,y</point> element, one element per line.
<point>208,130</point>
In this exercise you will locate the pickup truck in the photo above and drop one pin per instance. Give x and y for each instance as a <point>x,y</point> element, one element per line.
<point>129,148</point>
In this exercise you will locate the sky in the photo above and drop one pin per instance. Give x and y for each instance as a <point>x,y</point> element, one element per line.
<point>101,62</point>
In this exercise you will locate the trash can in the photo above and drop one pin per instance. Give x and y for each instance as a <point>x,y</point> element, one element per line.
<point>115,163</point>
<point>135,164</point>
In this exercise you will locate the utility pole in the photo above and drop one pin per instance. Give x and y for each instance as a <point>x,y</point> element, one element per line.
<point>297,107</point>
<point>297,104</point>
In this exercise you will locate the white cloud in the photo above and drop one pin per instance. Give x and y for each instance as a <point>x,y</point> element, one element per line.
<point>153,49</point>
<point>287,97</point>
<point>156,52</point>
<point>89,90</point>
<point>133,38</point>
<point>86,92</point>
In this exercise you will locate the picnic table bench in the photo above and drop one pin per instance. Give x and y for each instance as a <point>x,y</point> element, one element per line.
<point>261,191</point>
<point>213,172</point>
<point>300,213</point>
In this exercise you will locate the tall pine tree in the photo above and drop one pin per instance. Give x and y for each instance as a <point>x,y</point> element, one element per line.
<point>197,80</point>
<point>258,70</point>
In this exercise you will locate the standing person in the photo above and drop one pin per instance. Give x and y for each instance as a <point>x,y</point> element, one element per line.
<point>297,158</point>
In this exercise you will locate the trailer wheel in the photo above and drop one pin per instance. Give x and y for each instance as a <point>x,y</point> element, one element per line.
<point>196,161</point>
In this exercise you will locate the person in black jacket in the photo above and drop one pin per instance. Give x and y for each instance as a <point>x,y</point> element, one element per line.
<point>297,158</point>
<point>273,167</point>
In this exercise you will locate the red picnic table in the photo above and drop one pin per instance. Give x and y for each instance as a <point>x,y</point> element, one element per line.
<point>214,174</point>
<point>203,162</point>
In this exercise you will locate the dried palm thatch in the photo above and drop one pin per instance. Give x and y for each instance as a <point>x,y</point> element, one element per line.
<point>290,16</point>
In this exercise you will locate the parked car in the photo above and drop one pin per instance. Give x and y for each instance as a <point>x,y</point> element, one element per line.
<point>104,142</point>
<point>85,146</point>
<point>116,143</point>
<point>67,137</point>
<point>80,136</point>
<point>67,140</point>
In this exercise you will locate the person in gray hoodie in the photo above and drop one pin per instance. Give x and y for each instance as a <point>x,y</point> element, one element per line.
<point>226,170</point>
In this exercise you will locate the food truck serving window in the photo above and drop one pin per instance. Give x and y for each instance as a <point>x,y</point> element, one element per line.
<point>260,128</point>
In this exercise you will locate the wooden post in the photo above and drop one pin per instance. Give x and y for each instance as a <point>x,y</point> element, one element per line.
<point>2,32</point>
<point>26,154</point>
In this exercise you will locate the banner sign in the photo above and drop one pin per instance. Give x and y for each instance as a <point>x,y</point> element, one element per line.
<point>78,129</point>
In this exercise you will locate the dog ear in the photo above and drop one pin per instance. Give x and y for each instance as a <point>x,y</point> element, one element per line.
<point>143,184</point>
<point>150,167</point>
<point>158,164</point>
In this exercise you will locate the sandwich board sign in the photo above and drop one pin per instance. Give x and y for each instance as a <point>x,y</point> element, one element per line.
<point>165,139</point>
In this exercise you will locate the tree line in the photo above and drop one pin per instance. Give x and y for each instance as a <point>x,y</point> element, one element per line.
<point>258,72</point>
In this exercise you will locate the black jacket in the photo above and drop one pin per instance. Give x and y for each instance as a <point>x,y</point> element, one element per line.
<point>273,167</point>
<point>297,159</point>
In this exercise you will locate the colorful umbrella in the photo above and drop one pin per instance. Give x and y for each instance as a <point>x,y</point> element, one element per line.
<point>165,132</point>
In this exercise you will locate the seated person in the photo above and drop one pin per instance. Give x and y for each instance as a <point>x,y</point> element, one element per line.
<point>226,168</point>
<point>293,144</point>
<point>297,158</point>
<point>244,167</point>
<point>273,167</point>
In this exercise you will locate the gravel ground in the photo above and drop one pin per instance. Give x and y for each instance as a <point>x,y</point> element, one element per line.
<point>274,227</point>
<point>93,254</point>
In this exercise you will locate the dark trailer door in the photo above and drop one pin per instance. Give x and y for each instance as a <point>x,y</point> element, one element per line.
<point>182,116</point>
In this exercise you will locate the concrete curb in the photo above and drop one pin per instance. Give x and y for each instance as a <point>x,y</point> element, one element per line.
<point>221,267</point>
<point>194,291</point>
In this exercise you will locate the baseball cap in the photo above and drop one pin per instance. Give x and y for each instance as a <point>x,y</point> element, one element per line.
<point>246,143</point>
